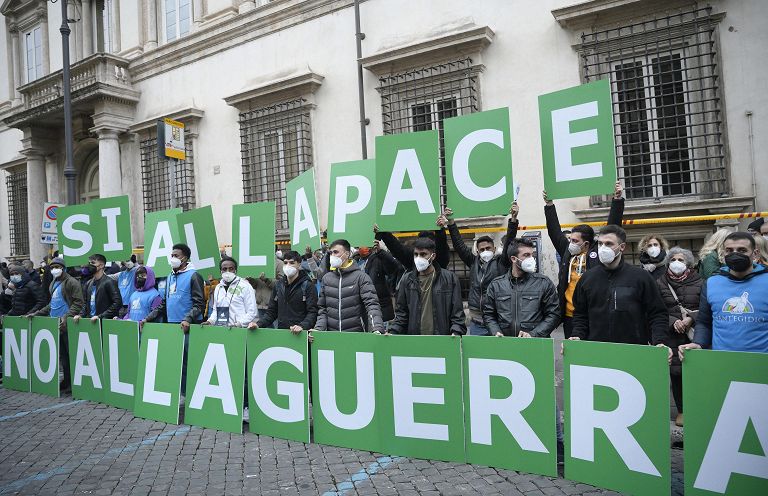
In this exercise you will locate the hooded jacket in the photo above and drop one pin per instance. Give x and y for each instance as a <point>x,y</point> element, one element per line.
<point>144,299</point>
<point>292,304</point>
<point>527,303</point>
<point>688,293</point>
<point>28,297</point>
<point>72,293</point>
<point>239,297</point>
<point>348,300</point>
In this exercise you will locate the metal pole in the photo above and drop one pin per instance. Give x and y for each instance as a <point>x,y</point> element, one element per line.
<point>359,37</point>
<point>70,173</point>
<point>172,180</point>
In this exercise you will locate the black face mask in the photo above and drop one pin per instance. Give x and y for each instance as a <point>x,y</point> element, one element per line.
<point>140,281</point>
<point>738,262</point>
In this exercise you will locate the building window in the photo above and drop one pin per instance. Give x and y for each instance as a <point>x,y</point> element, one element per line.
<point>105,18</point>
<point>156,178</point>
<point>33,51</point>
<point>276,146</point>
<point>666,104</point>
<point>177,18</point>
<point>420,99</point>
<point>18,225</point>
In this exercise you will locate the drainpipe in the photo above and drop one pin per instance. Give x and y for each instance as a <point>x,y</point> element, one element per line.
<point>748,113</point>
<point>359,37</point>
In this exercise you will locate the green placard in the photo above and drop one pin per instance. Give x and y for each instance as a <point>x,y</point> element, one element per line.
<point>75,225</point>
<point>302,211</point>
<point>478,164</point>
<point>197,229</point>
<point>352,207</point>
<point>161,232</point>
<point>577,145</point>
<point>85,359</point>
<point>509,403</point>
<point>726,431</point>
<point>407,181</point>
<point>44,356</point>
<point>215,377</point>
<point>617,416</point>
<point>253,238</point>
<point>344,378</point>
<point>121,361</point>
<point>419,396</point>
<point>277,384</point>
<point>99,226</point>
<point>16,344</point>
<point>158,382</point>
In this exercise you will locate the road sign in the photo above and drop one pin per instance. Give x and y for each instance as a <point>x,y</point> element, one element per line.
<point>49,217</point>
<point>174,139</point>
<point>49,239</point>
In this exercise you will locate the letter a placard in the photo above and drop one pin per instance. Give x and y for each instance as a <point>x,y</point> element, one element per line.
<point>577,145</point>
<point>302,211</point>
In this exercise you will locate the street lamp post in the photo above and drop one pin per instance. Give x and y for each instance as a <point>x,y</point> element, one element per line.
<point>70,173</point>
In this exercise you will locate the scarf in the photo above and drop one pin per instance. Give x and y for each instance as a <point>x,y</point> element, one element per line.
<point>682,277</point>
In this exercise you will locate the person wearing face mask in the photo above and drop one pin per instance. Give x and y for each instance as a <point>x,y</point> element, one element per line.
<point>653,254</point>
<point>680,288</point>
<point>483,267</point>
<point>26,296</point>
<point>578,252</point>
<point>429,298</point>
<point>754,227</point>
<point>404,253</point>
<point>126,282</point>
<point>29,266</point>
<point>348,301</point>
<point>378,264</point>
<point>234,300</point>
<point>618,302</point>
<point>733,314</point>
<point>66,301</point>
<point>102,297</point>
<point>145,298</point>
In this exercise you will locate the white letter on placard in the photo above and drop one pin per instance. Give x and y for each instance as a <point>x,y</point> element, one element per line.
<point>150,394</point>
<point>85,362</point>
<point>302,217</point>
<point>564,141</point>
<point>244,254</point>
<point>407,162</point>
<point>293,390</point>
<point>482,407</point>
<point>342,208</point>
<point>69,231</point>
<point>366,398</point>
<point>162,242</point>
<point>461,175</point>
<point>615,424</point>
<point>111,214</point>
<point>215,360</point>
<point>197,262</point>
<point>45,376</point>
<point>15,352</point>
<point>743,402</point>
<point>405,395</point>
<point>115,385</point>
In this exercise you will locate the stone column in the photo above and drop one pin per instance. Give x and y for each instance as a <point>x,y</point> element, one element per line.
<point>53,178</point>
<point>151,11</point>
<point>110,172</point>
<point>197,13</point>
<point>16,64</point>
<point>36,197</point>
<point>43,14</point>
<point>87,23</point>
<point>246,6</point>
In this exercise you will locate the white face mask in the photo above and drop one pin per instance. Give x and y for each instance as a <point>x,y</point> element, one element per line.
<point>129,265</point>
<point>606,255</point>
<point>654,251</point>
<point>290,271</point>
<point>528,265</point>
<point>677,267</point>
<point>175,262</point>
<point>228,277</point>
<point>335,261</point>
<point>486,256</point>
<point>421,263</point>
<point>279,254</point>
<point>575,248</point>
<point>56,273</point>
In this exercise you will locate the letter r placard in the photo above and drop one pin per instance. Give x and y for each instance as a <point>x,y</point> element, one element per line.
<point>577,144</point>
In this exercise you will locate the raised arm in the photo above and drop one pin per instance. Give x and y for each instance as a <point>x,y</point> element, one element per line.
<point>464,252</point>
<point>616,214</point>
<point>512,225</point>
<point>554,230</point>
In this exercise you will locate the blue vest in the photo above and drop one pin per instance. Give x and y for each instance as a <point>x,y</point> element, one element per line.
<point>178,295</point>
<point>739,313</point>
<point>140,304</point>
<point>59,307</point>
<point>125,281</point>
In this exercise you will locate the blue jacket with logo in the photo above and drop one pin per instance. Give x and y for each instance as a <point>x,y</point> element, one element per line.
<point>733,313</point>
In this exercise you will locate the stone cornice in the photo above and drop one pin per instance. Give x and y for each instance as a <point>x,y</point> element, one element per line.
<point>597,12</point>
<point>671,207</point>
<point>461,42</point>
<point>272,90</point>
<point>189,116</point>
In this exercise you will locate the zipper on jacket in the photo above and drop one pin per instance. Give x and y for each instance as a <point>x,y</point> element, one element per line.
<point>340,278</point>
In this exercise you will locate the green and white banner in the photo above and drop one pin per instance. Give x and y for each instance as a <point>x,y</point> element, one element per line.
<point>277,384</point>
<point>617,416</point>
<point>85,359</point>
<point>577,145</point>
<point>253,238</point>
<point>197,230</point>
<point>44,356</point>
<point>215,376</point>
<point>16,344</point>
<point>352,213</point>
<point>161,232</point>
<point>158,382</point>
<point>120,341</point>
<point>302,211</point>
<point>99,226</point>
<point>726,423</point>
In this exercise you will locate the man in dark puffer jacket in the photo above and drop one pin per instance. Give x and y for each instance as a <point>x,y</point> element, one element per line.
<point>28,296</point>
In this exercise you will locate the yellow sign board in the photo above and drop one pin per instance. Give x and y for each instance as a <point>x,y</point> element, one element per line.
<point>174,139</point>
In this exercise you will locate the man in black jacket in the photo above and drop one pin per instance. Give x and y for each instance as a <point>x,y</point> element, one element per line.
<point>379,264</point>
<point>102,296</point>
<point>429,298</point>
<point>578,253</point>
<point>483,267</point>
<point>294,299</point>
<point>26,295</point>
<point>618,302</point>
<point>404,253</point>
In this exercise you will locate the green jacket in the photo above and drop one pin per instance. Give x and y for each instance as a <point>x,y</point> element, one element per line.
<point>709,265</point>
<point>72,293</point>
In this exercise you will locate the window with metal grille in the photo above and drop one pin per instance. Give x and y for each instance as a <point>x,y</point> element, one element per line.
<point>420,99</point>
<point>666,104</point>
<point>276,146</point>
<point>18,225</point>
<point>156,179</point>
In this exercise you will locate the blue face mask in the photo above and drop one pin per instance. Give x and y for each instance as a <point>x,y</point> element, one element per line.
<point>16,278</point>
